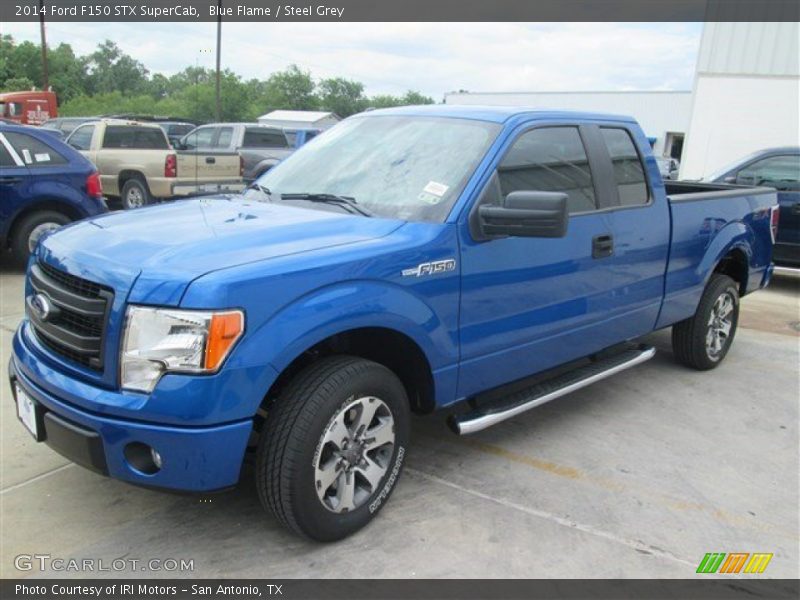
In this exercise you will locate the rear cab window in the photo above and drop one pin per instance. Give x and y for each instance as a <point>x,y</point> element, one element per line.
<point>33,152</point>
<point>138,138</point>
<point>627,166</point>
<point>255,137</point>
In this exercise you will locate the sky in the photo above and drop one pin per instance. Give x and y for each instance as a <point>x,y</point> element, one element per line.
<point>433,58</point>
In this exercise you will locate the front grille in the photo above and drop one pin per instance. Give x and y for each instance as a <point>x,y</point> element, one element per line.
<point>69,314</point>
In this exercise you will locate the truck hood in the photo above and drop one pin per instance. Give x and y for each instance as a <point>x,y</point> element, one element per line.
<point>163,248</point>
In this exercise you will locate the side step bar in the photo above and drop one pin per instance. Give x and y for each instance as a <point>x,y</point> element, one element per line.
<point>536,395</point>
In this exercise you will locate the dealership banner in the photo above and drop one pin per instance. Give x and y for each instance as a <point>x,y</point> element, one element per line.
<point>399,10</point>
<point>420,589</point>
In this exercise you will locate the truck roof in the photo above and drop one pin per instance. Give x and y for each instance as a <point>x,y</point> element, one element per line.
<point>496,114</point>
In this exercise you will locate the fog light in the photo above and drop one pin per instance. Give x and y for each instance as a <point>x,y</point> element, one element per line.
<point>143,458</point>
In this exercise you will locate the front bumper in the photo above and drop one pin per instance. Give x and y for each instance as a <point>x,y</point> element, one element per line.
<point>197,459</point>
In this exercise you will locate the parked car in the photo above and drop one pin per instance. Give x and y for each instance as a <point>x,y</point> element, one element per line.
<point>28,107</point>
<point>260,147</point>
<point>410,259</point>
<point>138,165</point>
<point>175,130</point>
<point>668,167</point>
<point>44,184</point>
<point>777,168</point>
<point>67,124</point>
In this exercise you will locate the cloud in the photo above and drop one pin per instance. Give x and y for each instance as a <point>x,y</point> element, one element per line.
<point>430,57</point>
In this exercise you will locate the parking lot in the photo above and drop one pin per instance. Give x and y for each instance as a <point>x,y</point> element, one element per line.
<point>639,475</point>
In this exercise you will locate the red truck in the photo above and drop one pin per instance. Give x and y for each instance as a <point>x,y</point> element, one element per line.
<point>28,108</point>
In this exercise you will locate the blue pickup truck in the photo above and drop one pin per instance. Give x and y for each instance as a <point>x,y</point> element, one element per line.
<point>411,259</point>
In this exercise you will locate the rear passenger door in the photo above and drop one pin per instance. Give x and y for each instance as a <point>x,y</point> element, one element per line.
<point>529,304</point>
<point>639,222</point>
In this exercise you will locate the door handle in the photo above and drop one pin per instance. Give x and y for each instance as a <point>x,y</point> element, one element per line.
<point>602,245</point>
<point>210,160</point>
<point>10,179</point>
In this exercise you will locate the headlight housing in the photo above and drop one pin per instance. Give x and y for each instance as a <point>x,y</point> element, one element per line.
<point>165,340</point>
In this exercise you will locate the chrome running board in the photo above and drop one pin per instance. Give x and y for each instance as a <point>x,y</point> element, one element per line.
<point>540,393</point>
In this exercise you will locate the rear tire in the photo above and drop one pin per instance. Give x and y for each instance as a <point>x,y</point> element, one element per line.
<point>135,194</point>
<point>333,447</point>
<point>703,341</point>
<point>30,230</point>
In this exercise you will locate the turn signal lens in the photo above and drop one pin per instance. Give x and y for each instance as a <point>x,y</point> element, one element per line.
<point>225,329</point>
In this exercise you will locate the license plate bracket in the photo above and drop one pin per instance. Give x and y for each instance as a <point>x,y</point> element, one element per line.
<point>29,412</point>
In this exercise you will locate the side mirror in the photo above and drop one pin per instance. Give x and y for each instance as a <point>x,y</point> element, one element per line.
<point>178,145</point>
<point>526,214</point>
<point>745,179</point>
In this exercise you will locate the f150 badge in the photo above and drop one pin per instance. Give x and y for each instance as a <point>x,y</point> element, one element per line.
<point>431,268</point>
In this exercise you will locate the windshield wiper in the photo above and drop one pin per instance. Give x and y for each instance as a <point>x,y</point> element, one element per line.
<point>261,188</point>
<point>344,201</point>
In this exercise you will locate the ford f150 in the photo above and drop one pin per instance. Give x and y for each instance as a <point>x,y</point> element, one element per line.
<point>408,260</point>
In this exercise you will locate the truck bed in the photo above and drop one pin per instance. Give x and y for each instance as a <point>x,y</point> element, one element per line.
<point>707,220</point>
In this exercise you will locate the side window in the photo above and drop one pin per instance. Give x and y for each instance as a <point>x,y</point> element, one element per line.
<point>779,172</point>
<point>550,159</point>
<point>6,160</point>
<point>200,138</point>
<point>628,168</point>
<point>81,138</point>
<point>224,137</point>
<point>255,137</point>
<point>34,153</point>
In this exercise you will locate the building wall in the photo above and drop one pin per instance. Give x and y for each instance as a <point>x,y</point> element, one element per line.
<point>747,94</point>
<point>657,112</point>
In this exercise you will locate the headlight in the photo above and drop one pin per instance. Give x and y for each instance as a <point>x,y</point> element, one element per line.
<point>161,340</point>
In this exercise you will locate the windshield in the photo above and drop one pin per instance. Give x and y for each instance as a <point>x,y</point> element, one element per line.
<point>410,168</point>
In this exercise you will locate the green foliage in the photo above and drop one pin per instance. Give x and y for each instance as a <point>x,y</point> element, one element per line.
<point>108,81</point>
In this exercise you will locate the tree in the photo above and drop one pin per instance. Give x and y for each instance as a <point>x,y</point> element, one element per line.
<point>342,96</point>
<point>291,89</point>
<point>17,84</point>
<point>111,69</point>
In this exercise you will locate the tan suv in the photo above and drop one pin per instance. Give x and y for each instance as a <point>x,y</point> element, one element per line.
<point>137,163</point>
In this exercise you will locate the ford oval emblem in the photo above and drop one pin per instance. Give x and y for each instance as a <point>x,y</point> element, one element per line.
<point>43,306</point>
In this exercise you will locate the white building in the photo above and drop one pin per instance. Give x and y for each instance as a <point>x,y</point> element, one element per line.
<point>664,116</point>
<point>746,94</point>
<point>299,119</point>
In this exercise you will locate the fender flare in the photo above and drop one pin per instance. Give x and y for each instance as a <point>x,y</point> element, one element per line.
<point>345,306</point>
<point>734,236</point>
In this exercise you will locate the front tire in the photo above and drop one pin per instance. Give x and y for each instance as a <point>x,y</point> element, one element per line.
<point>703,341</point>
<point>333,446</point>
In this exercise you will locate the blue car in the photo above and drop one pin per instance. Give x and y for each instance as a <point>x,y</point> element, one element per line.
<point>44,184</point>
<point>777,168</point>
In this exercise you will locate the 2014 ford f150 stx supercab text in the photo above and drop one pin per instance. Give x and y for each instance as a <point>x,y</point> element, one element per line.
<point>408,260</point>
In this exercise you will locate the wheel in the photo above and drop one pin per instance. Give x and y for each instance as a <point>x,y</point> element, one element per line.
<point>135,194</point>
<point>703,341</point>
<point>31,229</point>
<point>333,446</point>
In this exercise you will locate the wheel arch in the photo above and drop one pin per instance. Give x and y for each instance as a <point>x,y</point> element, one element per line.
<point>395,350</point>
<point>41,205</point>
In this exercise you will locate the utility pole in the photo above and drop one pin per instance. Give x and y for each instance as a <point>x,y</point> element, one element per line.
<point>45,74</point>
<point>219,53</point>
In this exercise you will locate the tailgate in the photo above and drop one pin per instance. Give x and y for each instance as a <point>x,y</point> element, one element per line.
<point>204,167</point>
